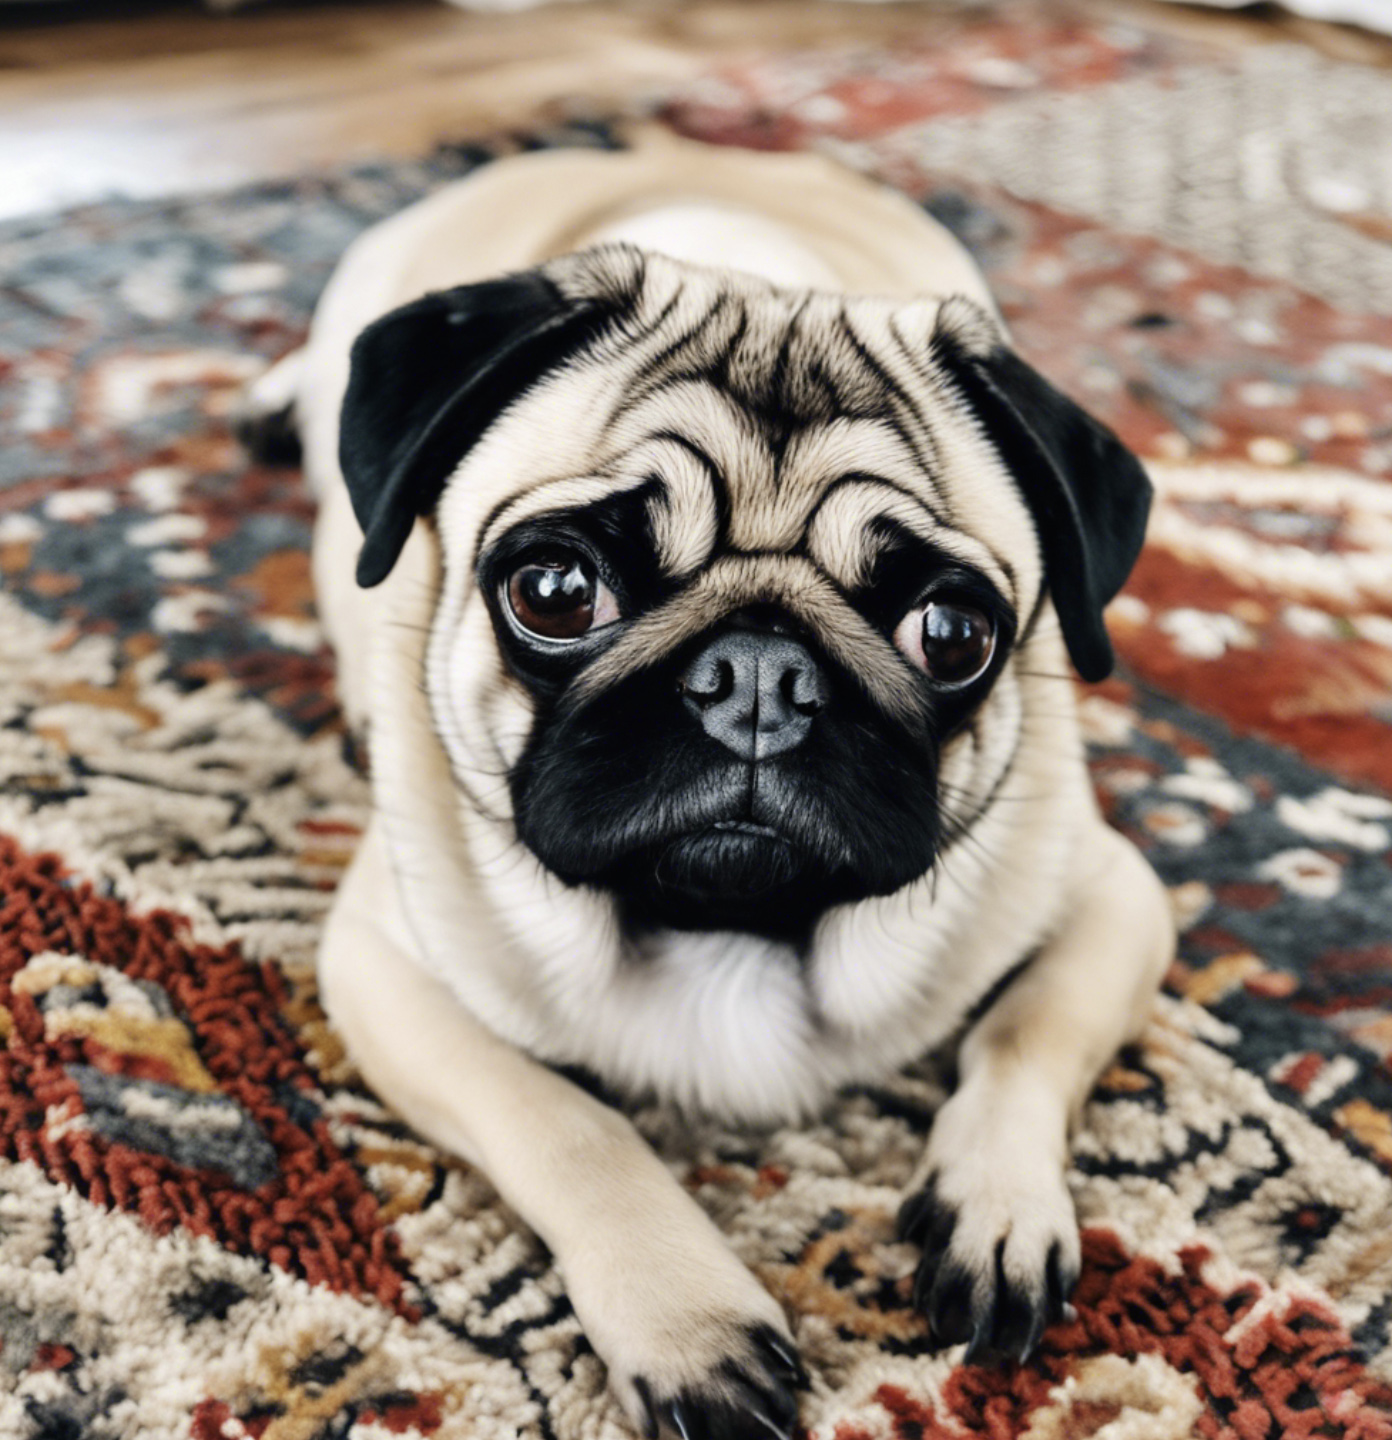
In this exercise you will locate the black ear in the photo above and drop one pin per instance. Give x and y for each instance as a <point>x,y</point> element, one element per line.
<point>1087,492</point>
<point>428,379</point>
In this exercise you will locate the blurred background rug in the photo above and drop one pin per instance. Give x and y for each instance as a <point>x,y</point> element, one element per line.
<point>208,1228</point>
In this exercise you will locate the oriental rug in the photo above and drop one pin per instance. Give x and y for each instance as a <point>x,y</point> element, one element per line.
<point>209,1229</point>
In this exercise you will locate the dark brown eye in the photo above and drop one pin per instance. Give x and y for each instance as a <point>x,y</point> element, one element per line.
<point>957,641</point>
<point>560,597</point>
<point>949,638</point>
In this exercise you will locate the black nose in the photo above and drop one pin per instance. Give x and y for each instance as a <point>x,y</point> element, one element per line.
<point>755,693</point>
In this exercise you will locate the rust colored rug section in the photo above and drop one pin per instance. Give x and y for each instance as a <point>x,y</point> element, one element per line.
<point>209,1229</point>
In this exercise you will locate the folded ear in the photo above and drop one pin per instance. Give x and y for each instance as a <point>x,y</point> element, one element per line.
<point>1088,494</point>
<point>428,379</point>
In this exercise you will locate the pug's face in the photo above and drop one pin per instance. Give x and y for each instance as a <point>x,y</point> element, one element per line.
<point>746,776</point>
<point>735,575</point>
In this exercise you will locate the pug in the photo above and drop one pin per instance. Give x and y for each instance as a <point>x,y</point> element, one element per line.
<point>704,569</point>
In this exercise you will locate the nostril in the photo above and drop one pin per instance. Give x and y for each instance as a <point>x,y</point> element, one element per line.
<point>804,690</point>
<point>708,684</point>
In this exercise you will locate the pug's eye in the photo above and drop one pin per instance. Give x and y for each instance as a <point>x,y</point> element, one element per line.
<point>950,638</point>
<point>560,597</point>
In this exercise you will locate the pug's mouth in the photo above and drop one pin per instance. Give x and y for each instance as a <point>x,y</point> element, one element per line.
<point>729,875</point>
<point>766,853</point>
<point>736,860</point>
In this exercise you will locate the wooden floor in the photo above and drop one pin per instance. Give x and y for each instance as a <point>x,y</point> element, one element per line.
<point>163,99</point>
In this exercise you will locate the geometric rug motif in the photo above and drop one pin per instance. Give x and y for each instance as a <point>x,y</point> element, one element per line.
<point>1276,162</point>
<point>209,1228</point>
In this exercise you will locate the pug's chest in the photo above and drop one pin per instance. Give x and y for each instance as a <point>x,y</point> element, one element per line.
<point>752,1031</point>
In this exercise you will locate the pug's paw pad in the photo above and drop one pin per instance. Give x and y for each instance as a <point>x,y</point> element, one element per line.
<point>749,1395</point>
<point>999,1259</point>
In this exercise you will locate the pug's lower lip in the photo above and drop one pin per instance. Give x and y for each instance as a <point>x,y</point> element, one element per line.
<point>730,860</point>
<point>747,827</point>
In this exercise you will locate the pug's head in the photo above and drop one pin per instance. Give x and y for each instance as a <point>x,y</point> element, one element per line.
<point>737,578</point>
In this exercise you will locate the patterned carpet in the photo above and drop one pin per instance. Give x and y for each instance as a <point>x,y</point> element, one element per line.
<point>208,1229</point>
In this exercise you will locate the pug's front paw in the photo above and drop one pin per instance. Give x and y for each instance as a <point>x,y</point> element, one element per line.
<point>749,1395</point>
<point>1000,1242</point>
<point>697,1348</point>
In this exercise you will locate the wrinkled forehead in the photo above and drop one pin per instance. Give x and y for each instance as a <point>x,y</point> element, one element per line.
<point>760,421</point>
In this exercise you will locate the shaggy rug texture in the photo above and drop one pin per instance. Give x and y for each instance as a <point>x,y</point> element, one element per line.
<point>209,1229</point>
